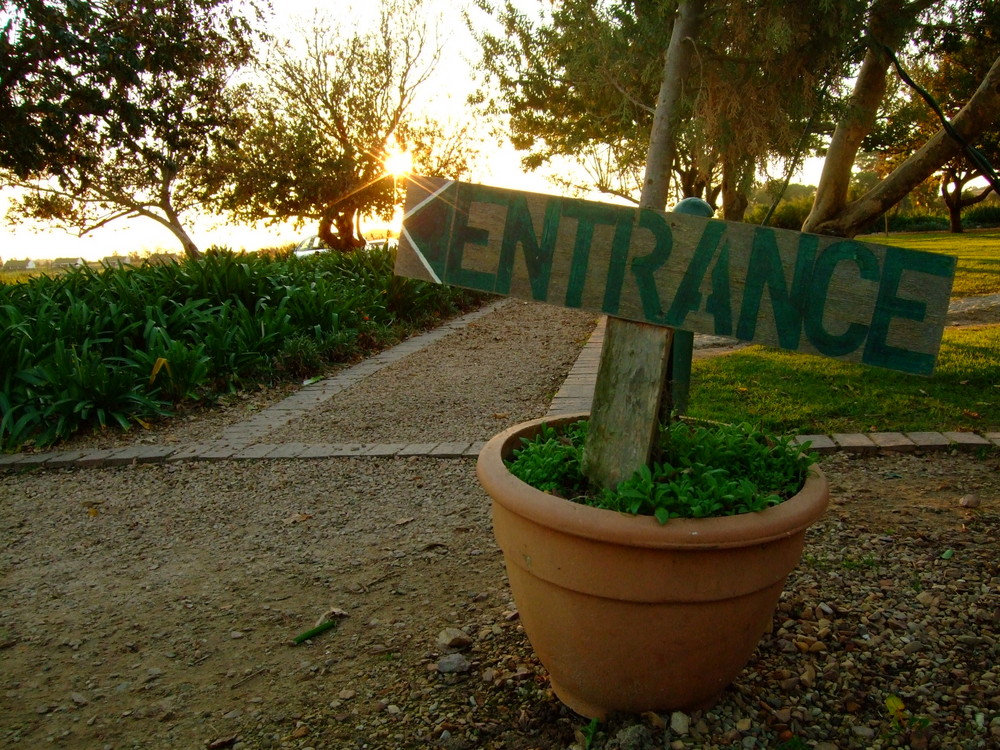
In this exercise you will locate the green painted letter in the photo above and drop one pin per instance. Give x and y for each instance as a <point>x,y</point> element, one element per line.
<point>643,268</point>
<point>837,345</point>
<point>766,268</point>
<point>519,230</point>
<point>877,351</point>
<point>462,234</point>
<point>588,215</point>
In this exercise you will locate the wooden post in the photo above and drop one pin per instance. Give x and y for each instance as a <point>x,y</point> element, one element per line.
<point>632,376</point>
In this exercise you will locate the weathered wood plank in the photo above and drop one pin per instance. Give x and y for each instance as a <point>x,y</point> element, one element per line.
<point>633,365</point>
<point>840,298</point>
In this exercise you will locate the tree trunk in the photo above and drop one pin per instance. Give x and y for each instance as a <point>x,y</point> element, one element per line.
<point>325,229</point>
<point>978,115</point>
<point>337,229</point>
<point>835,179</point>
<point>190,249</point>
<point>633,376</point>
<point>889,22</point>
<point>953,200</point>
<point>735,179</point>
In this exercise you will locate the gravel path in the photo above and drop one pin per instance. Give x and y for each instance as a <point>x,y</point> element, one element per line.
<point>153,605</point>
<point>494,373</point>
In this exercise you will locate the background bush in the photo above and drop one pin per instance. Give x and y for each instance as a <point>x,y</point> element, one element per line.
<point>982,215</point>
<point>119,345</point>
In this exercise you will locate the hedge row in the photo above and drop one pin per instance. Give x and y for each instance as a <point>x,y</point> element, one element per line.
<point>118,346</point>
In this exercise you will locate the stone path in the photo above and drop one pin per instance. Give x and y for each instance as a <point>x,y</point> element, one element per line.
<point>243,441</point>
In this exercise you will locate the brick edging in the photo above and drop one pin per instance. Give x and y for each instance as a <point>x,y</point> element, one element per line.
<point>857,443</point>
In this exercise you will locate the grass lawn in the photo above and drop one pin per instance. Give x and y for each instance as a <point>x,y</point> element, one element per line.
<point>792,393</point>
<point>978,253</point>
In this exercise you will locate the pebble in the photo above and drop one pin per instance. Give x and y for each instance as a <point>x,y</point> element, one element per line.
<point>680,723</point>
<point>452,663</point>
<point>969,501</point>
<point>454,638</point>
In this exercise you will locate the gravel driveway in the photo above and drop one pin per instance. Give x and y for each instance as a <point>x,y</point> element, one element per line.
<point>155,605</point>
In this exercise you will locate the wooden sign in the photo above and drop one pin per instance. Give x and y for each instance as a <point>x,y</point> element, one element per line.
<point>883,306</point>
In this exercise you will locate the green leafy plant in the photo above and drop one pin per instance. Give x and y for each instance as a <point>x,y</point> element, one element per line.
<point>118,345</point>
<point>901,721</point>
<point>721,470</point>
<point>588,733</point>
<point>550,461</point>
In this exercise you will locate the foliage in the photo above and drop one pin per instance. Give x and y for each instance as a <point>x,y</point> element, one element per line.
<point>983,215</point>
<point>761,67</point>
<point>892,26</point>
<point>917,221</point>
<point>952,56</point>
<point>703,472</point>
<point>119,346</point>
<point>789,214</point>
<point>311,142</point>
<point>902,721</point>
<point>550,461</point>
<point>103,106</point>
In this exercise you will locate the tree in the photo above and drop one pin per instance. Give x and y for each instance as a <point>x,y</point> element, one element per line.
<point>890,23</point>
<point>105,105</point>
<point>958,173</point>
<point>314,136</point>
<point>760,73</point>
<point>948,65</point>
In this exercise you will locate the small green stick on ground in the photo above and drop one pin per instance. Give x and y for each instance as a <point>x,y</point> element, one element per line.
<point>321,628</point>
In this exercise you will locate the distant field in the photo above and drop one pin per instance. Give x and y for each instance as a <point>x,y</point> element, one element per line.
<point>978,254</point>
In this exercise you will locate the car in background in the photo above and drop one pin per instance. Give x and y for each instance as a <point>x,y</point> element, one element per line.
<point>390,243</point>
<point>310,246</point>
<point>313,245</point>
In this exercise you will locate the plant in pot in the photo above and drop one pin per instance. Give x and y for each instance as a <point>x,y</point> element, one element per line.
<point>651,595</point>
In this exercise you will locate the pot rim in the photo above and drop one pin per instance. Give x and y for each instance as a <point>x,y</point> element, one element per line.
<point>788,518</point>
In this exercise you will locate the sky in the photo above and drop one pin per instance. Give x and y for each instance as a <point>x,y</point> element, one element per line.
<point>448,88</point>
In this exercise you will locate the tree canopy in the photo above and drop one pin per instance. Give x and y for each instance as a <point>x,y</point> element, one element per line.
<point>313,137</point>
<point>949,61</point>
<point>104,104</point>
<point>759,73</point>
<point>771,80</point>
<point>891,25</point>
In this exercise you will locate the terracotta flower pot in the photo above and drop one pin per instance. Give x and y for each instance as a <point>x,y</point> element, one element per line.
<point>630,615</point>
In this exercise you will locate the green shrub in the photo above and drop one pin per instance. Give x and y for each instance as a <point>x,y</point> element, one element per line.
<point>982,215</point>
<point>790,214</point>
<point>703,472</point>
<point>915,222</point>
<point>300,356</point>
<point>119,345</point>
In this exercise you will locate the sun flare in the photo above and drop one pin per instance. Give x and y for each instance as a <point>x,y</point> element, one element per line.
<point>398,162</point>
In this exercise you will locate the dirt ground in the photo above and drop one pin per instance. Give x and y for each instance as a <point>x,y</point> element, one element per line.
<point>139,613</point>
